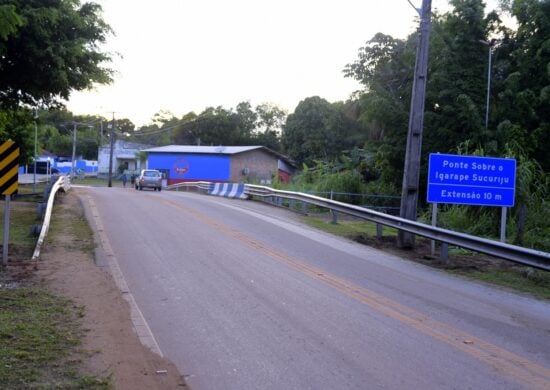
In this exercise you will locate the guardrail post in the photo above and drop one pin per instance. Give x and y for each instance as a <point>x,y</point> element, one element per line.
<point>304,207</point>
<point>444,254</point>
<point>379,231</point>
<point>47,190</point>
<point>334,217</point>
<point>41,208</point>
<point>291,204</point>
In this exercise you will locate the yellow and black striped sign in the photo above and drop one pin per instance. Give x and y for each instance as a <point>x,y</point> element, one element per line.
<point>9,167</point>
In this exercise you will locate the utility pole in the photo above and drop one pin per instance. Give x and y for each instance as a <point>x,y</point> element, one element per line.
<point>35,149</point>
<point>411,174</point>
<point>74,151</point>
<point>112,143</point>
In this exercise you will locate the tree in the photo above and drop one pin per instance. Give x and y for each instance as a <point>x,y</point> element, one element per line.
<point>49,48</point>
<point>456,89</point>
<point>246,121</point>
<point>17,125</point>
<point>524,94</point>
<point>10,21</point>
<point>184,133</point>
<point>455,102</point>
<point>269,124</point>
<point>318,130</point>
<point>218,126</point>
<point>385,67</point>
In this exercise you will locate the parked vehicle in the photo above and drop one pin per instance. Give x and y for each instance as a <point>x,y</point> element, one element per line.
<point>149,178</point>
<point>42,168</point>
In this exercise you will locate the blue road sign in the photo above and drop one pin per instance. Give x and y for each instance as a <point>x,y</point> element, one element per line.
<point>471,180</point>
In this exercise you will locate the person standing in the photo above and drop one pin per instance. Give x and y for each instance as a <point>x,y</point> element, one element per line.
<point>124,180</point>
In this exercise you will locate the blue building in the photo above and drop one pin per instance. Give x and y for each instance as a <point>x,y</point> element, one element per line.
<point>181,163</point>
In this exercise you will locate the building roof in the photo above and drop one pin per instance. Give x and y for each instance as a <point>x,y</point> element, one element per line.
<point>216,150</point>
<point>202,149</point>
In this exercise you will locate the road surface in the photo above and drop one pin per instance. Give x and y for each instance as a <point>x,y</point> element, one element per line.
<point>240,295</point>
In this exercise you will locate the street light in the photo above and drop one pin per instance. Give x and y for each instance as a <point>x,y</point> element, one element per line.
<point>492,43</point>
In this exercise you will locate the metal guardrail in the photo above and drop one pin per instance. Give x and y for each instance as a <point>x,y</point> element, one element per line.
<point>517,254</point>
<point>63,183</point>
<point>200,185</point>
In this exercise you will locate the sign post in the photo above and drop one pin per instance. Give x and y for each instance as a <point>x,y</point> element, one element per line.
<point>9,166</point>
<point>472,180</point>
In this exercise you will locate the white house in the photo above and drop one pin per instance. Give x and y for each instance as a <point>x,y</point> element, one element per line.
<point>124,153</point>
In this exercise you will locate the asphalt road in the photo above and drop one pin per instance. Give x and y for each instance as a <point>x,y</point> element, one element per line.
<point>240,295</point>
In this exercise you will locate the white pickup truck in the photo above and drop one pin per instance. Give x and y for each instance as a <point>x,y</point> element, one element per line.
<point>149,178</point>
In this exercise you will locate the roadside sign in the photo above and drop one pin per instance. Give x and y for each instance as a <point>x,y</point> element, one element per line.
<point>471,180</point>
<point>9,167</point>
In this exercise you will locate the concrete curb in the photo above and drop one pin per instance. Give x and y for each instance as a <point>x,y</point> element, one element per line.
<point>140,324</point>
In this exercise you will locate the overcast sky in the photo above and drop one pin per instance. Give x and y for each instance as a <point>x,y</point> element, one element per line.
<point>186,55</point>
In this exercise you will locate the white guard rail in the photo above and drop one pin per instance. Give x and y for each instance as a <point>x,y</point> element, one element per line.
<point>63,183</point>
<point>517,254</point>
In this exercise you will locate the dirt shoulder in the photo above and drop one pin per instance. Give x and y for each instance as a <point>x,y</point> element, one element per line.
<point>112,346</point>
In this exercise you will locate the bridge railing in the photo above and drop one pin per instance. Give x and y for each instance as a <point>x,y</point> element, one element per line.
<point>62,183</point>
<point>514,253</point>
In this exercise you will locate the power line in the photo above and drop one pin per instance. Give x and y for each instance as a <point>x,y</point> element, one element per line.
<point>157,131</point>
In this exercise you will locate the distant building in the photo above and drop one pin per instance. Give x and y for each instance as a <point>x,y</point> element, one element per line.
<point>256,164</point>
<point>49,163</point>
<point>125,154</point>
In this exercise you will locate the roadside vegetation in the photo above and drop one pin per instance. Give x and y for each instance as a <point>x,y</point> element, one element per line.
<point>40,336</point>
<point>40,332</point>
<point>461,262</point>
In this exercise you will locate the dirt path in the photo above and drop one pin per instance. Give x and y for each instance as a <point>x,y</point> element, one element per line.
<point>112,345</point>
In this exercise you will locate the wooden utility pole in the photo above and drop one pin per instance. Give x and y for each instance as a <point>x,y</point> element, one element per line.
<point>74,151</point>
<point>411,175</point>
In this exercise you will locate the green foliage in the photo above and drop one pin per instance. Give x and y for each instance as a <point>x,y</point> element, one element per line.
<point>37,333</point>
<point>10,21</point>
<point>48,49</point>
<point>523,93</point>
<point>25,215</point>
<point>240,126</point>
<point>385,67</point>
<point>455,107</point>
<point>527,280</point>
<point>319,130</point>
<point>18,126</point>
<point>349,178</point>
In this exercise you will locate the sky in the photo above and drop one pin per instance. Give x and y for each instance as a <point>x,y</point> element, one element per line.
<point>187,55</point>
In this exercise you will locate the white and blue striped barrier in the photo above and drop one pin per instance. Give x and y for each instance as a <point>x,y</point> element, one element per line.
<point>227,190</point>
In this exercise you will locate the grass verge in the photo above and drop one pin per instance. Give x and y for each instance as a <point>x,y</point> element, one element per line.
<point>95,182</point>
<point>346,228</point>
<point>524,279</point>
<point>39,335</point>
<point>464,263</point>
<point>23,215</point>
<point>81,234</point>
<point>40,332</point>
